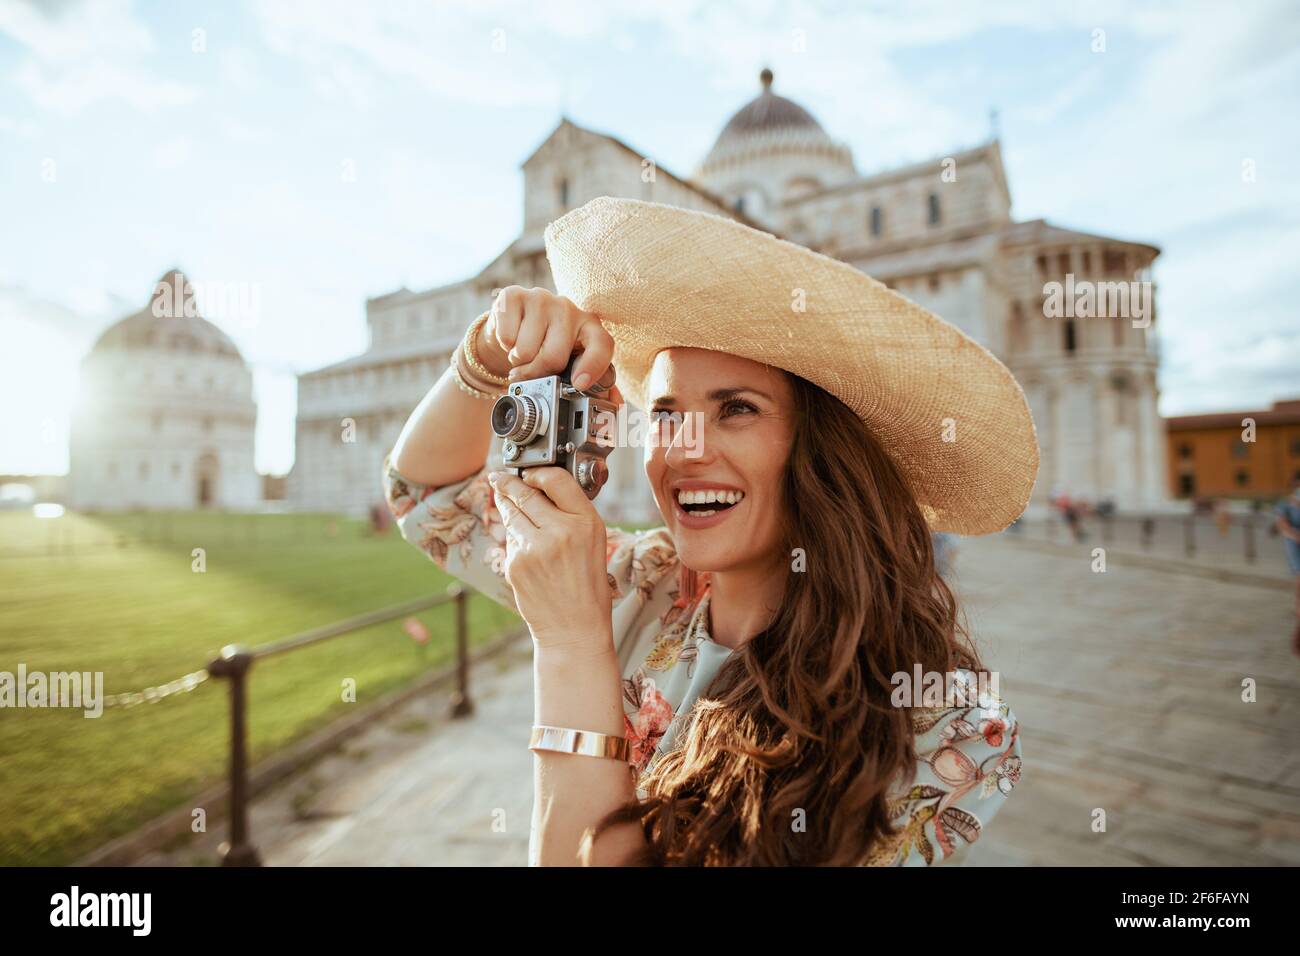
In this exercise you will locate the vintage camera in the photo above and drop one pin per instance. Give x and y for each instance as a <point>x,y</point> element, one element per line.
<point>546,421</point>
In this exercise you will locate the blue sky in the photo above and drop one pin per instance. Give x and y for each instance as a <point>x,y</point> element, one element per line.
<point>227,160</point>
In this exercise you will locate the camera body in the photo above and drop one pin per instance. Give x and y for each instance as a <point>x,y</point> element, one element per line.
<point>546,421</point>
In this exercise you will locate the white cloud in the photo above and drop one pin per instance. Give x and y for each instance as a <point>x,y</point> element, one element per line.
<point>82,53</point>
<point>173,152</point>
<point>351,49</point>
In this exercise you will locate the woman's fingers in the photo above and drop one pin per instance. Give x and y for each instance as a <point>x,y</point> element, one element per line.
<point>529,501</point>
<point>513,519</point>
<point>539,331</point>
<point>597,351</point>
<point>561,488</point>
<point>532,331</point>
<point>551,358</point>
<point>507,314</point>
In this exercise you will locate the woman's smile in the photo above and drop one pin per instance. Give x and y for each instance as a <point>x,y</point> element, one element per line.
<point>699,503</point>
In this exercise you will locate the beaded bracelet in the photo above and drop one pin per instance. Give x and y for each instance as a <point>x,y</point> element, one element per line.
<point>470,348</point>
<point>463,384</point>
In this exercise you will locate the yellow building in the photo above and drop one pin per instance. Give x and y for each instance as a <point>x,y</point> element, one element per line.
<point>1215,454</point>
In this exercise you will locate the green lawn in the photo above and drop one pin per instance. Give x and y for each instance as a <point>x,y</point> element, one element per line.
<point>117,595</point>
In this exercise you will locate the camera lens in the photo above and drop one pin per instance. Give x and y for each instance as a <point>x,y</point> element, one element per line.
<point>504,415</point>
<point>516,417</point>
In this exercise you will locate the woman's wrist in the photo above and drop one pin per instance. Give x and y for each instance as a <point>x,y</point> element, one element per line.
<point>578,687</point>
<point>573,649</point>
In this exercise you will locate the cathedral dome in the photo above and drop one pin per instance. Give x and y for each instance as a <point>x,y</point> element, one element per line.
<point>765,114</point>
<point>169,322</point>
<point>772,151</point>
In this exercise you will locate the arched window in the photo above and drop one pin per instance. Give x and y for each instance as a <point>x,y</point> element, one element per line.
<point>877,220</point>
<point>934,209</point>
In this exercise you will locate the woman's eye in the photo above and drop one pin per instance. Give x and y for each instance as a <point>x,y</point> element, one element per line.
<point>736,407</point>
<point>663,416</point>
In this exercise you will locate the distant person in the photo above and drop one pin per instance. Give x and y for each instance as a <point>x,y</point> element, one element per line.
<point>1060,501</point>
<point>1222,516</point>
<point>1288,525</point>
<point>380,519</point>
<point>1072,511</point>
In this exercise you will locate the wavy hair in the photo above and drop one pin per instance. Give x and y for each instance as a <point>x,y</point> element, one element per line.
<point>797,726</point>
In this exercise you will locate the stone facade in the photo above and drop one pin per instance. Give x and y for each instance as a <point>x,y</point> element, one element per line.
<point>940,232</point>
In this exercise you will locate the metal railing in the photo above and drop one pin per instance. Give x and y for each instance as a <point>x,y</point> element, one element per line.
<point>236,662</point>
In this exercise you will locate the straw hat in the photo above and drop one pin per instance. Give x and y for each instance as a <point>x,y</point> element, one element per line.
<point>659,276</point>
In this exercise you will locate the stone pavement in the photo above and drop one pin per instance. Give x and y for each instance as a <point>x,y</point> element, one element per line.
<point>1127,685</point>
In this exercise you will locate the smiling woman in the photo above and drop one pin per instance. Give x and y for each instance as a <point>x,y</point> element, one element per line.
<point>743,653</point>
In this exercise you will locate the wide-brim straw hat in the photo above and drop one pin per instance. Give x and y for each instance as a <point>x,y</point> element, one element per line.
<point>943,407</point>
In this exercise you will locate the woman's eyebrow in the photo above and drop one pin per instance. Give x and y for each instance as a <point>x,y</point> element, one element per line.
<point>717,395</point>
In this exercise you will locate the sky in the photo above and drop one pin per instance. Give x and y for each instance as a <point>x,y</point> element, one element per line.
<point>324,152</point>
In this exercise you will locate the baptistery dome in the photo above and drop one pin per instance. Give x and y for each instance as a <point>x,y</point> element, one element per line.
<point>170,323</point>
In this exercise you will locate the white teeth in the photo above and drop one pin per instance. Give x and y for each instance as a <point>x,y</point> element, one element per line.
<point>704,514</point>
<point>709,496</point>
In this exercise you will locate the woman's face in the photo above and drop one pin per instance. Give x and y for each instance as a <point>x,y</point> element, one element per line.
<point>735,444</point>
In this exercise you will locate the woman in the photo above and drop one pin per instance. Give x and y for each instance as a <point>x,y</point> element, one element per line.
<point>751,651</point>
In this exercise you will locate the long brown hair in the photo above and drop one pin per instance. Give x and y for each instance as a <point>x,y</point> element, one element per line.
<point>791,753</point>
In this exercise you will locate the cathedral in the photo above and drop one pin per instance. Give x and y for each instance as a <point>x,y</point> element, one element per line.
<point>939,232</point>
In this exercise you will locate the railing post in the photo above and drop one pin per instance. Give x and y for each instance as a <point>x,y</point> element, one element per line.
<point>234,664</point>
<point>461,705</point>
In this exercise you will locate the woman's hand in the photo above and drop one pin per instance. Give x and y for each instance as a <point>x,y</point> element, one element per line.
<point>537,331</point>
<point>555,559</point>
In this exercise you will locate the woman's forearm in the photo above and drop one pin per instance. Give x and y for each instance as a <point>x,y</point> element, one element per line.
<point>571,792</point>
<point>448,435</point>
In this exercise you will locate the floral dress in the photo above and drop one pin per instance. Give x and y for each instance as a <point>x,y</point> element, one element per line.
<point>968,756</point>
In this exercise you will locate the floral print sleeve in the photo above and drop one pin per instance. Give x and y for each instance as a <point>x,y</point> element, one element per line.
<point>968,760</point>
<point>459,527</point>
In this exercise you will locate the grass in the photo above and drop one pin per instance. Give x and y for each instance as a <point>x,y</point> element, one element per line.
<point>117,594</point>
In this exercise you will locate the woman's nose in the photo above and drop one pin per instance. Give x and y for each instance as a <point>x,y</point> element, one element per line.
<point>687,445</point>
